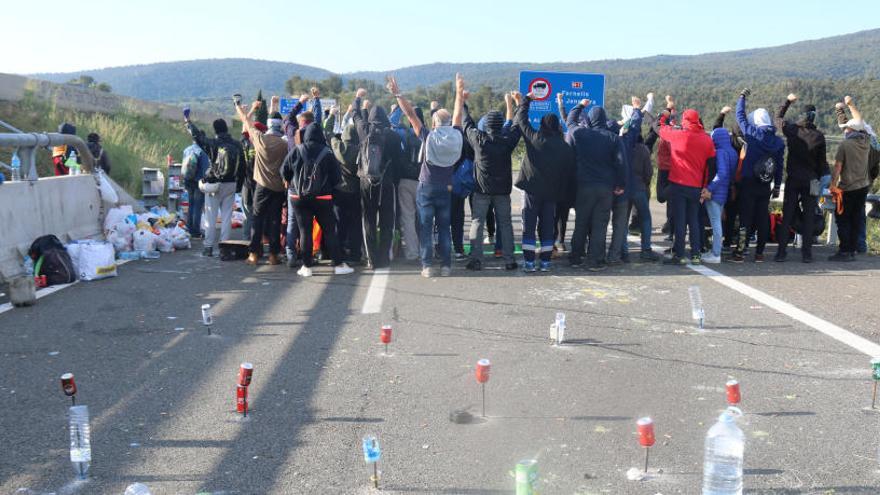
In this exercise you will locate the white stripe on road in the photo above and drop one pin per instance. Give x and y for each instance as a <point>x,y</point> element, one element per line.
<point>835,332</point>
<point>376,292</point>
<point>40,294</point>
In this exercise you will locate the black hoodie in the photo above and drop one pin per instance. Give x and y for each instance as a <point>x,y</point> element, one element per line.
<point>300,156</point>
<point>377,121</point>
<point>492,164</point>
<point>806,150</point>
<point>548,166</point>
<point>598,151</point>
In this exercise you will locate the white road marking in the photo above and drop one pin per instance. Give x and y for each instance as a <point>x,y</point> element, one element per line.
<point>376,292</point>
<point>835,332</point>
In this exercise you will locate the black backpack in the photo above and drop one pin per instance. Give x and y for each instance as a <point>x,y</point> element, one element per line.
<point>765,169</point>
<point>310,178</point>
<point>414,154</point>
<point>225,161</point>
<point>372,160</point>
<point>56,264</point>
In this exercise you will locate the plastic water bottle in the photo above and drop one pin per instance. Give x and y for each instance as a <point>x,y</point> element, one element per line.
<point>723,464</point>
<point>80,444</point>
<point>697,311</point>
<point>16,167</point>
<point>137,489</point>
<point>29,266</point>
<point>71,164</point>
<point>372,450</point>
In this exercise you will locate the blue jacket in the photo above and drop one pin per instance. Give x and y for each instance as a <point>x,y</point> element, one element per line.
<point>396,118</point>
<point>726,161</point>
<point>598,151</point>
<point>203,160</point>
<point>760,142</point>
<point>632,130</point>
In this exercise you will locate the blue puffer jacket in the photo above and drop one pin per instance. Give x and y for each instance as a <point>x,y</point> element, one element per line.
<point>760,142</point>
<point>726,160</point>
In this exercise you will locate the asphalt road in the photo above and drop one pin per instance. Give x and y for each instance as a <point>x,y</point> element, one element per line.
<point>161,391</point>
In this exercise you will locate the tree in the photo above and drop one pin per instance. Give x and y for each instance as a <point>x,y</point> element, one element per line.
<point>262,113</point>
<point>104,87</point>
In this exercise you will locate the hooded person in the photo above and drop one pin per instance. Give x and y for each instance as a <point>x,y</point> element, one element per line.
<point>600,175</point>
<point>407,185</point>
<point>726,160</point>
<point>313,173</point>
<point>547,168</point>
<point>381,158</point>
<point>493,174</point>
<point>93,141</point>
<point>347,196</point>
<point>761,166</point>
<point>227,169</point>
<point>805,166</point>
<point>692,154</point>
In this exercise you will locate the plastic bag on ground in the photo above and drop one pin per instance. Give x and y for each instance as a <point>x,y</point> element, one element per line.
<point>144,240</point>
<point>92,260</point>
<point>117,215</point>
<point>180,238</point>
<point>163,241</point>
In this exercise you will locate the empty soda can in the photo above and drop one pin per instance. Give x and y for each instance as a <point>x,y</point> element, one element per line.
<point>245,371</point>
<point>645,428</point>
<point>482,371</point>
<point>385,334</point>
<point>733,394</point>
<point>68,385</point>
<point>241,401</point>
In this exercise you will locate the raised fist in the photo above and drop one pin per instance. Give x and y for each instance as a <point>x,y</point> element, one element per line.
<point>585,102</point>
<point>848,100</point>
<point>746,93</point>
<point>361,93</point>
<point>726,109</point>
<point>316,93</point>
<point>435,105</point>
<point>792,97</point>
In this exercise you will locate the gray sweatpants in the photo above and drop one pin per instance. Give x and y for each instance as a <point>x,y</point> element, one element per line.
<point>219,203</point>
<point>480,206</point>
<point>406,200</point>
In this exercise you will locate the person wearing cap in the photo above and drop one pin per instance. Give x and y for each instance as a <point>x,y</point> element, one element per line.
<point>762,164</point>
<point>806,164</point>
<point>873,158</point>
<point>493,173</point>
<point>269,153</point>
<point>693,163</point>
<point>93,141</point>
<point>851,178</point>
<point>227,169</point>
<point>546,169</point>
<point>601,175</point>
<point>441,149</point>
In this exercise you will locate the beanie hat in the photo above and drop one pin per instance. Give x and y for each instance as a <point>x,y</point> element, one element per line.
<point>494,121</point>
<point>220,127</point>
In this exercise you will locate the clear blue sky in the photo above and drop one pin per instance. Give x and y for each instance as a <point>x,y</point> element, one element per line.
<point>350,35</point>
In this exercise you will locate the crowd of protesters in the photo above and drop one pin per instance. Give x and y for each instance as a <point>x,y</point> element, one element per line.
<point>361,188</point>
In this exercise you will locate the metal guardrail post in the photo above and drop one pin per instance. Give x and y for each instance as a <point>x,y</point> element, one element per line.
<point>27,143</point>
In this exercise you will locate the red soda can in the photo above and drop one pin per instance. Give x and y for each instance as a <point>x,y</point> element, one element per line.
<point>385,334</point>
<point>645,427</point>
<point>245,371</point>
<point>482,372</point>
<point>733,395</point>
<point>241,403</point>
<point>68,385</point>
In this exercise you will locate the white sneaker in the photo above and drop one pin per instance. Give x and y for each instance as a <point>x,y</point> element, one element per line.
<point>304,271</point>
<point>427,272</point>
<point>342,269</point>
<point>712,259</point>
<point>445,271</point>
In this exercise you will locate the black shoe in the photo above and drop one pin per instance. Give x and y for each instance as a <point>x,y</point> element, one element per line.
<point>511,266</point>
<point>649,256</point>
<point>759,258</point>
<point>369,266</point>
<point>841,256</point>
<point>665,229</point>
<point>208,252</point>
<point>737,258</point>
<point>597,267</point>
<point>460,256</point>
<point>575,262</point>
<point>675,260</point>
<point>807,258</point>
<point>780,257</point>
<point>475,265</point>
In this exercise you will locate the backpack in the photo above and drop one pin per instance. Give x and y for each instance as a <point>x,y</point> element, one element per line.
<point>310,178</point>
<point>225,162</point>
<point>463,182</point>
<point>373,161</point>
<point>413,152</point>
<point>190,165</point>
<point>52,260</point>
<point>765,169</point>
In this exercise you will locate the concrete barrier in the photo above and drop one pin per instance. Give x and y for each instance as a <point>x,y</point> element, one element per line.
<point>69,207</point>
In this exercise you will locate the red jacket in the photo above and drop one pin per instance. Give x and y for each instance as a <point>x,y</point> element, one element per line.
<point>691,147</point>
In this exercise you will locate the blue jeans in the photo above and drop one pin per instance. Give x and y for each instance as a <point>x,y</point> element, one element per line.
<point>714,210</point>
<point>685,203</point>
<point>640,202</point>
<point>194,214</point>
<point>435,204</point>
<point>292,229</point>
<point>537,213</point>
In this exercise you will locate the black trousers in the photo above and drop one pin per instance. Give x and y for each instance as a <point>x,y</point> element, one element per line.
<point>378,203</point>
<point>308,209</point>
<point>456,221</point>
<point>562,211</point>
<point>349,231</point>
<point>850,221</point>
<point>797,203</point>
<point>267,219</point>
<point>754,212</point>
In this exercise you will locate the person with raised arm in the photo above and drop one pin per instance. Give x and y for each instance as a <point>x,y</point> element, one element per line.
<point>440,150</point>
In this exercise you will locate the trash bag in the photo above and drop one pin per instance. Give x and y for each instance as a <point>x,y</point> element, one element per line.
<point>108,194</point>
<point>180,238</point>
<point>144,240</point>
<point>93,260</point>
<point>163,241</point>
<point>117,215</point>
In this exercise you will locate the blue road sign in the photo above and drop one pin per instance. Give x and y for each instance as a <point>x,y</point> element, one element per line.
<point>574,87</point>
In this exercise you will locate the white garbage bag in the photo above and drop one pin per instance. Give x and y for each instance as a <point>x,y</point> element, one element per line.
<point>92,260</point>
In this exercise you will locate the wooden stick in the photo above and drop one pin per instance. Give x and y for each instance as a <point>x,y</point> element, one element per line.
<point>647,450</point>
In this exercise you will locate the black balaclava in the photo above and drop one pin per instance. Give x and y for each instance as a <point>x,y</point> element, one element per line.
<point>494,121</point>
<point>220,127</point>
<point>809,116</point>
